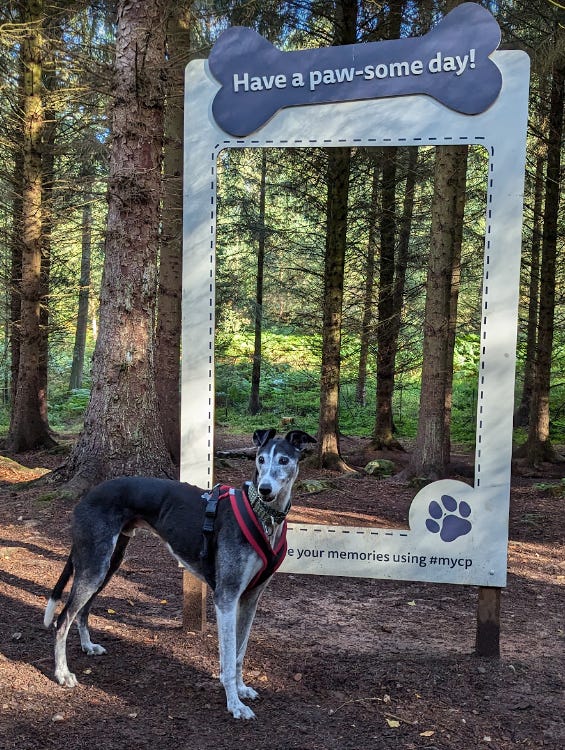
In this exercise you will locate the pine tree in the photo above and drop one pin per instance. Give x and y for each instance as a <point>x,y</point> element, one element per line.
<point>28,424</point>
<point>122,434</point>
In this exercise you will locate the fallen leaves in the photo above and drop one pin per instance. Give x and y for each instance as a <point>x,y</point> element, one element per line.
<point>393,720</point>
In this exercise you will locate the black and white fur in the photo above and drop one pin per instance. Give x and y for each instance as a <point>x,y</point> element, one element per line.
<point>107,517</point>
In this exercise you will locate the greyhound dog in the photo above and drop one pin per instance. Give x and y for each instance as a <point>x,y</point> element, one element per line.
<point>203,532</point>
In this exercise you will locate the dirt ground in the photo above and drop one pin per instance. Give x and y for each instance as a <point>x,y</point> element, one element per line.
<point>341,664</point>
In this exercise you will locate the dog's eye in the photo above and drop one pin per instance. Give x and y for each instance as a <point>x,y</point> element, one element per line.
<point>261,460</point>
<point>283,460</point>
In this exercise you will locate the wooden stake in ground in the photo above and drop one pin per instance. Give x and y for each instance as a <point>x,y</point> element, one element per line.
<point>487,641</point>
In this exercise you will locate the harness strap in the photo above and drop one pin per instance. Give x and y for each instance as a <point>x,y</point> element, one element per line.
<point>206,553</point>
<point>255,535</point>
<point>251,528</point>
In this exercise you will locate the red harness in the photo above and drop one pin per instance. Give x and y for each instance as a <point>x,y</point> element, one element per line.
<point>252,530</point>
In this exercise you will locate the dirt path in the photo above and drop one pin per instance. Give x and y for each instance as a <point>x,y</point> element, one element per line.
<point>341,664</point>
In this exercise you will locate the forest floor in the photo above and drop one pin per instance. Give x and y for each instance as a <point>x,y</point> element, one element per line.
<point>340,663</point>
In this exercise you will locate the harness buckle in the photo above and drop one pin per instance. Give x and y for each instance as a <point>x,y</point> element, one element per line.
<point>212,498</point>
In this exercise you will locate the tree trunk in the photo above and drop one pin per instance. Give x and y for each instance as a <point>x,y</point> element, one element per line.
<point>365,339</point>
<point>383,436</point>
<point>522,413</point>
<point>28,426</point>
<point>77,366</point>
<point>397,302</point>
<point>428,458</point>
<point>16,269</point>
<point>254,401</point>
<point>122,433</point>
<point>460,158</point>
<point>338,192</point>
<point>48,172</point>
<point>538,446</point>
<point>345,32</point>
<point>404,233</point>
<point>170,264</point>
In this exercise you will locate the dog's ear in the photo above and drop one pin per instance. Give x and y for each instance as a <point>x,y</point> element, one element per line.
<point>260,437</point>
<point>299,439</point>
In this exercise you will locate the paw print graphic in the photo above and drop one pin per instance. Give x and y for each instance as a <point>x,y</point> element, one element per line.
<point>449,518</point>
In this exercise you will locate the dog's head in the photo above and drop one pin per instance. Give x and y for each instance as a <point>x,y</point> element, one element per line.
<point>276,464</point>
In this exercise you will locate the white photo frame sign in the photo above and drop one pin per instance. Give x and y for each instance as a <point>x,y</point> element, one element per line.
<point>458,533</point>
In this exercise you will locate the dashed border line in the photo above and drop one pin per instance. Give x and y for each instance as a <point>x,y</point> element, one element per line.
<point>368,531</point>
<point>289,143</point>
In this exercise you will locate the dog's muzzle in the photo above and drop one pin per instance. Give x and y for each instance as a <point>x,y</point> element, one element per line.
<point>259,501</point>
<point>265,492</point>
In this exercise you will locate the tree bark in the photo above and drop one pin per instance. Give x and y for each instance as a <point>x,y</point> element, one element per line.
<point>404,233</point>
<point>16,268</point>
<point>338,191</point>
<point>522,413</point>
<point>254,400</point>
<point>122,434</point>
<point>460,158</point>
<point>428,457</point>
<point>383,434</point>
<point>47,221</point>
<point>538,446</point>
<point>345,32</point>
<point>79,348</point>
<point>170,259</point>
<point>28,425</point>
<point>366,323</point>
<point>400,266</point>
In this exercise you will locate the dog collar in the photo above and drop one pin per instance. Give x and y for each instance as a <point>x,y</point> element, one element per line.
<point>268,516</point>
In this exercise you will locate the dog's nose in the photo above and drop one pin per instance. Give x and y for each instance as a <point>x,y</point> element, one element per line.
<point>265,490</point>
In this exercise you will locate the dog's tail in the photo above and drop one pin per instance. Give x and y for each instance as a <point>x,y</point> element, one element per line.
<point>57,592</point>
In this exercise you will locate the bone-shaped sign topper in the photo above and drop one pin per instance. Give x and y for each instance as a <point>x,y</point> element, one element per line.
<point>451,64</point>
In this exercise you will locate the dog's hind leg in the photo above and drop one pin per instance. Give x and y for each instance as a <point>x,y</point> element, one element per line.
<point>86,584</point>
<point>81,593</point>
<point>57,592</point>
<point>90,648</point>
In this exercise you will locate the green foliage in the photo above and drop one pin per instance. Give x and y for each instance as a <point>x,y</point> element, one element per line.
<point>290,387</point>
<point>4,419</point>
<point>289,380</point>
<point>467,354</point>
<point>555,489</point>
<point>66,410</point>
<point>295,225</point>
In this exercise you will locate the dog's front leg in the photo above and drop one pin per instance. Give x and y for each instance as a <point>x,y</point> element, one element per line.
<point>246,614</point>
<point>226,615</point>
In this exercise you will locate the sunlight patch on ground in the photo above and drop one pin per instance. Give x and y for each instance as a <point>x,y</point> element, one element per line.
<point>300,514</point>
<point>537,562</point>
<point>11,472</point>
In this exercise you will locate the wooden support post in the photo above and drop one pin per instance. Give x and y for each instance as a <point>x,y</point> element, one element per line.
<point>487,641</point>
<point>193,602</point>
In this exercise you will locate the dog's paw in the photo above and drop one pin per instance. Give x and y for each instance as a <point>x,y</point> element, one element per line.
<point>247,693</point>
<point>449,518</point>
<point>93,649</point>
<point>240,711</point>
<point>66,679</point>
